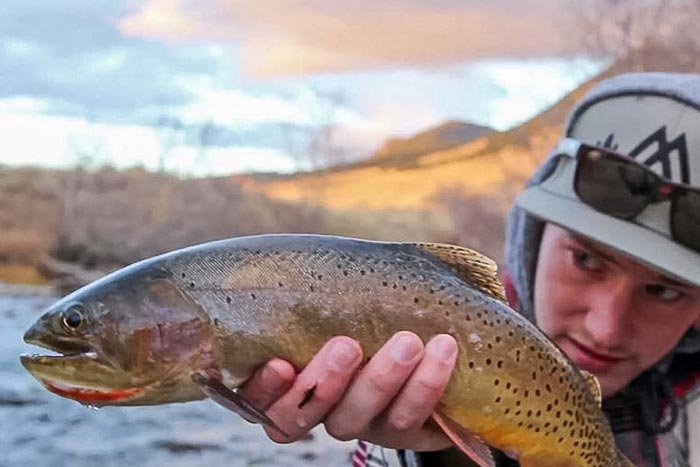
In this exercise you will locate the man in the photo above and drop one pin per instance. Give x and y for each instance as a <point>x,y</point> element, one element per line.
<point>603,254</point>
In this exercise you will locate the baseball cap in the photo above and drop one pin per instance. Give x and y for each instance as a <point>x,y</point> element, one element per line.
<point>654,118</point>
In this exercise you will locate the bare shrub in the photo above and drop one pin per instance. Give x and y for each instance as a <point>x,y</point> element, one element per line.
<point>22,246</point>
<point>639,35</point>
<point>478,219</point>
<point>111,218</point>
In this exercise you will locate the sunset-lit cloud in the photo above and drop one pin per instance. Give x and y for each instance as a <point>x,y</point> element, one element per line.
<point>121,79</point>
<point>287,37</point>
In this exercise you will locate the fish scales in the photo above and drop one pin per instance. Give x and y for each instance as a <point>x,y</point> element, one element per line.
<point>286,295</point>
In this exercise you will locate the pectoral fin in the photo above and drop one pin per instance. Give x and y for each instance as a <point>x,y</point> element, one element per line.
<point>222,395</point>
<point>465,441</point>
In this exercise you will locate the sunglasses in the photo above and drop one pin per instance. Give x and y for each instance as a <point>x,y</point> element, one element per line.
<point>621,187</point>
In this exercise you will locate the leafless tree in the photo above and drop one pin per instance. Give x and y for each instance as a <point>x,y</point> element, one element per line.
<point>204,141</point>
<point>313,147</point>
<point>640,35</point>
<point>170,134</point>
<point>478,219</point>
<point>323,150</point>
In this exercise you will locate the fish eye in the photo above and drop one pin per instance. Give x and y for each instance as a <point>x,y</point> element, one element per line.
<point>73,316</point>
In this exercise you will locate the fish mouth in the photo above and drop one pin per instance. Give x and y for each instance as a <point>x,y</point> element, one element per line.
<point>75,370</point>
<point>82,377</point>
<point>67,346</point>
<point>63,351</point>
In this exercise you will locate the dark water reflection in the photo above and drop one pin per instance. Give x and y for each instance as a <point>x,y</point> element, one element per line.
<point>40,429</point>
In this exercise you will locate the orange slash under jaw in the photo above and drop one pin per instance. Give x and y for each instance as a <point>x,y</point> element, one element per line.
<point>89,395</point>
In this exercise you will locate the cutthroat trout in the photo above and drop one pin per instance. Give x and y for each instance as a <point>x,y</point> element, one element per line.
<point>197,322</point>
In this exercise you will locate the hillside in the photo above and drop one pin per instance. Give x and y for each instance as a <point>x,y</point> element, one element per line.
<point>107,218</point>
<point>53,222</point>
<point>494,165</point>
<point>400,151</point>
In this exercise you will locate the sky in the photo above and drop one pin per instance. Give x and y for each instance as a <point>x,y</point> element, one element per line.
<point>227,86</point>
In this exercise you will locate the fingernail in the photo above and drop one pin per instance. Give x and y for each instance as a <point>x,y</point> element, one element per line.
<point>271,380</point>
<point>342,356</point>
<point>404,347</point>
<point>443,346</point>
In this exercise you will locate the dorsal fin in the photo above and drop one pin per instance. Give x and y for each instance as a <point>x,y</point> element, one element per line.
<point>593,385</point>
<point>476,269</point>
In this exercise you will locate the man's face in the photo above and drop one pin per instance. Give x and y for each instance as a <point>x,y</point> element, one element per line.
<point>611,315</point>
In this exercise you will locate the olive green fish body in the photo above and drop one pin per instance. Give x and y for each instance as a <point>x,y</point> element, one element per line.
<point>243,301</point>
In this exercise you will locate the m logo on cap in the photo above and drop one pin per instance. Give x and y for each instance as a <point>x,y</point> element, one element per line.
<point>656,149</point>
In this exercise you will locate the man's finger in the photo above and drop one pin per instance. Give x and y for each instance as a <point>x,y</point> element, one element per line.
<point>268,383</point>
<point>425,387</point>
<point>375,386</point>
<point>316,389</point>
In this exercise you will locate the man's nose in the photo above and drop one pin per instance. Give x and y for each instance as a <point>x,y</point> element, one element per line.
<point>608,316</point>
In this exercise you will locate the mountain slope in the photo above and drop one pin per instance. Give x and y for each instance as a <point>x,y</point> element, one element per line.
<point>495,165</point>
<point>401,151</point>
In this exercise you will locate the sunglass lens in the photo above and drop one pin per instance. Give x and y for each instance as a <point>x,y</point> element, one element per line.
<point>614,186</point>
<point>686,219</point>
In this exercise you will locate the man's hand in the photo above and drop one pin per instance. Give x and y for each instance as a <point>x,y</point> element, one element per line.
<point>386,402</point>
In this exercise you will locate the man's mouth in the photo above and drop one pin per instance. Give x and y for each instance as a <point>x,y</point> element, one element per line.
<point>590,359</point>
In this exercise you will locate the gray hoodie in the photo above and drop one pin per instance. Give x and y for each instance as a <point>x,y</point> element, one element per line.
<point>644,414</point>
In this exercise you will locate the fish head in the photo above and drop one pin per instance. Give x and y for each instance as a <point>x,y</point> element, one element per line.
<point>131,338</point>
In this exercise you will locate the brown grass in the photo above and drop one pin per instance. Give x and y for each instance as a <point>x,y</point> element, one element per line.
<point>108,218</point>
<point>20,274</point>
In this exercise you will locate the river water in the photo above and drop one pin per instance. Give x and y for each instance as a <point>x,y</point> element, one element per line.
<point>40,429</point>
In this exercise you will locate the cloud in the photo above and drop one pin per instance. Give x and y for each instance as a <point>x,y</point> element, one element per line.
<point>287,37</point>
<point>73,57</point>
<point>64,27</point>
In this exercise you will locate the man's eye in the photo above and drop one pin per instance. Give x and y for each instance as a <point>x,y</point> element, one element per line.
<point>663,293</point>
<point>585,260</point>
